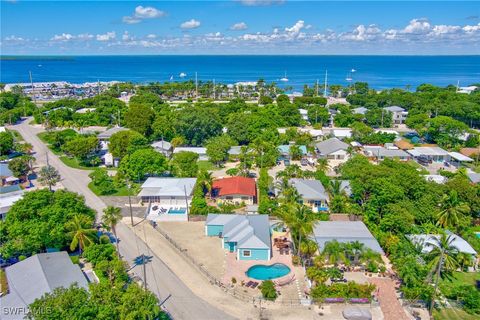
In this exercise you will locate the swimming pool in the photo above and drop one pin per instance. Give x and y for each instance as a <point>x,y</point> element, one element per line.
<point>177,211</point>
<point>263,272</point>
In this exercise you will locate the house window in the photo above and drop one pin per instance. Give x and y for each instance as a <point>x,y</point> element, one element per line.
<point>247,253</point>
<point>245,198</point>
<point>229,198</point>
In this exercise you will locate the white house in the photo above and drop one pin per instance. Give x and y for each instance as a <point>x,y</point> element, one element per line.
<point>163,147</point>
<point>304,114</point>
<point>332,149</point>
<point>434,154</point>
<point>399,114</point>
<point>202,152</point>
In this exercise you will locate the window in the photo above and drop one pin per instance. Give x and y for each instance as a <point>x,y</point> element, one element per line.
<point>228,198</point>
<point>247,253</point>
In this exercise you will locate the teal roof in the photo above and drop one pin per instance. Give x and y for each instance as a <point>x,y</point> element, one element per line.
<point>285,149</point>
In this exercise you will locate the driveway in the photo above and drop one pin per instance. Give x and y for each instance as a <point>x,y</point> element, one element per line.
<point>182,304</point>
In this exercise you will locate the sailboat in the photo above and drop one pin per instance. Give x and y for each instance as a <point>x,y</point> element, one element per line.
<point>284,79</point>
<point>349,77</point>
<point>183,75</point>
<point>171,78</point>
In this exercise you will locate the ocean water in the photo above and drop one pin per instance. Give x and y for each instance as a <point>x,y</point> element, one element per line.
<point>379,71</point>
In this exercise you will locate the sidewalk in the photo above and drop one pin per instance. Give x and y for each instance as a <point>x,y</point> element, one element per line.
<point>391,307</point>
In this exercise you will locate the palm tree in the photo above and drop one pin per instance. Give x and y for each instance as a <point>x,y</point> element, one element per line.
<point>49,175</point>
<point>299,220</point>
<point>334,251</point>
<point>464,260</point>
<point>452,209</point>
<point>357,248</point>
<point>205,179</point>
<point>322,164</point>
<point>81,232</point>
<point>111,216</point>
<point>442,259</point>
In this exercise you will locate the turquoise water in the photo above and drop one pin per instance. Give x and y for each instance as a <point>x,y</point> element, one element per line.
<point>379,71</point>
<point>263,272</point>
<point>478,234</point>
<point>178,211</point>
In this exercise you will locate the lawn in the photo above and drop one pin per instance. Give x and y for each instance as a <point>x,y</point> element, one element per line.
<point>18,137</point>
<point>206,165</point>
<point>453,314</point>
<point>461,278</point>
<point>121,192</point>
<point>3,282</point>
<point>74,163</point>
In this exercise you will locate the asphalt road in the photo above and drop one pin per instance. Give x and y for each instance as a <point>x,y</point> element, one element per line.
<point>182,302</point>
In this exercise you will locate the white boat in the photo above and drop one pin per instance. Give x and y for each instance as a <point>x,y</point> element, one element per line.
<point>349,77</point>
<point>284,79</point>
<point>171,78</point>
<point>183,75</point>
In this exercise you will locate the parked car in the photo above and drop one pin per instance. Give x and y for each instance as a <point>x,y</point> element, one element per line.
<point>304,162</point>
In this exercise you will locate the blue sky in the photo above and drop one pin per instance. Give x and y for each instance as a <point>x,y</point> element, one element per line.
<point>240,27</point>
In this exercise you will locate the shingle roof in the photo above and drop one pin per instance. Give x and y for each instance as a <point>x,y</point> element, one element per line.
<point>309,189</point>
<point>330,145</point>
<point>235,185</point>
<point>249,231</point>
<point>31,278</point>
<point>108,133</point>
<point>344,232</point>
<point>394,109</point>
<point>170,187</point>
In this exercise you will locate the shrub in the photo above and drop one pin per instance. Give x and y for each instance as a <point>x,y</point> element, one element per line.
<point>296,260</point>
<point>99,252</point>
<point>75,259</point>
<point>268,290</point>
<point>104,239</point>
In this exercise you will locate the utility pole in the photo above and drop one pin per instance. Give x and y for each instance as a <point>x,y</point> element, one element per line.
<point>316,89</point>
<point>186,198</point>
<point>326,79</point>
<point>213,89</point>
<point>144,271</point>
<point>31,83</point>
<point>196,85</point>
<point>130,202</point>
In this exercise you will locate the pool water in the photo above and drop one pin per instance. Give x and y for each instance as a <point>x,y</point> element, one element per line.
<point>263,272</point>
<point>177,211</point>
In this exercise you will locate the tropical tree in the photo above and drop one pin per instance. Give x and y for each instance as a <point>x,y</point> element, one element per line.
<point>81,232</point>
<point>334,252</point>
<point>464,260</point>
<point>299,220</point>
<point>442,259</point>
<point>205,180</point>
<point>49,175</point>
<point>111,216</point>
<point>452,210</point>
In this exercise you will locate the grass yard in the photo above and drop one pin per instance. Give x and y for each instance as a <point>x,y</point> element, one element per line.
<point>461,278</point>
<point>74,163</point>
<point>453,314</point>
<point>122,192</point>
<point>18,137</point>
<point>206,165</point>
<point>3,282</point>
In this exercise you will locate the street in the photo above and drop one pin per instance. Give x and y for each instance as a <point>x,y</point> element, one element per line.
<point>182,304</point>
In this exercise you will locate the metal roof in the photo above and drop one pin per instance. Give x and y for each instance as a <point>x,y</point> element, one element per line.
<point>344,232</point>
<point>394,109</point>
<point>309,189</point>
<point>427,242</point>
<point>427,151</point>
<point>162,145</point>
<point>39,274</point>
<point>169,187</point>
<point>460,157</point>
<point>198,150</point>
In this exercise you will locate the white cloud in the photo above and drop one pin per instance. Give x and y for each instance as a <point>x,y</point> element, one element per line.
<point>362,33</point>
<point>471,29</point>
<point>107,36</point>
<point>126,36</point>
<point>296,28</point>
<point>253,3</point>
<point>190,24</point>
<point>85,36</point>
<point>417,26</point>
<point>62,37</point>
<point>14,38</point>
<point>141,13</point>
<point>239,26</point>
<point>151,36</point>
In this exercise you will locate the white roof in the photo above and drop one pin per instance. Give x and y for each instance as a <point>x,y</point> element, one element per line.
<point>427,151</point>
<point>342,133</point>
<point>2,129</point>
<point>389,131</point>
<point>435,178</point>
<point>394,109</point>
<point>312,132</point>
<point>427,242</point>
<point>199,150</point>
<point>162,145</point>
<point>167,187</point>
<point>460,157</point>
<point>303,112</point>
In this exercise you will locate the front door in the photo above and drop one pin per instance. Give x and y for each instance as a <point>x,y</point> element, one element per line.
<point>231,246</point>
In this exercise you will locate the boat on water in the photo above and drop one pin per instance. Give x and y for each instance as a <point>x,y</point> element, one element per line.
<point>284,79</point>
<point>182,75</point>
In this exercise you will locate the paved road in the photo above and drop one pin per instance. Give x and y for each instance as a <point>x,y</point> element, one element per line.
<point>182,304</point>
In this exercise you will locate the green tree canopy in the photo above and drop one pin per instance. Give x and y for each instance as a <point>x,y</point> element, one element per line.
<point>143,162</point>
<point>184,164</point>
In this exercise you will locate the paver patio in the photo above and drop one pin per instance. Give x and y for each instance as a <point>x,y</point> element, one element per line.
<point>391,307</point>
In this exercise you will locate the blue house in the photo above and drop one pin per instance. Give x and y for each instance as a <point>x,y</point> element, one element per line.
<point>284,151</point>
<point>246,235</point>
